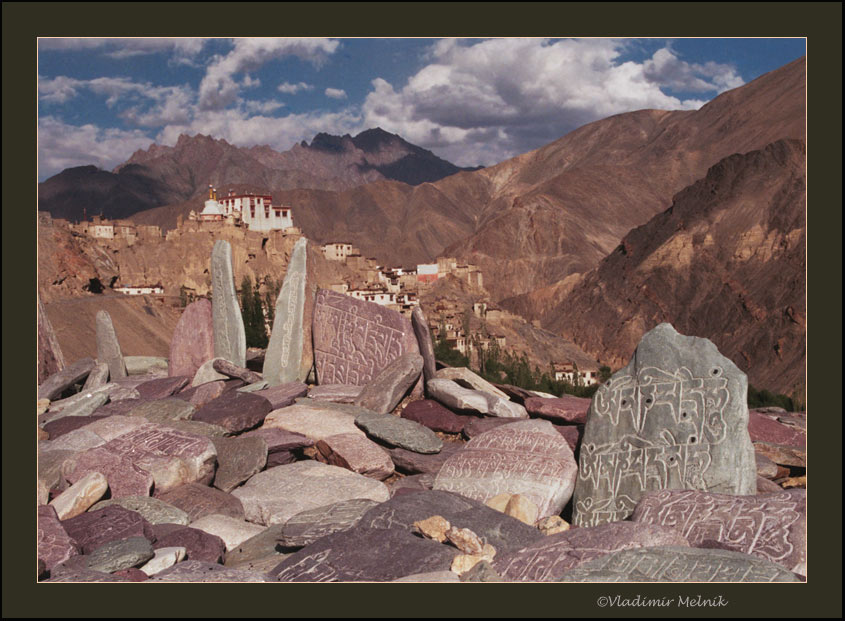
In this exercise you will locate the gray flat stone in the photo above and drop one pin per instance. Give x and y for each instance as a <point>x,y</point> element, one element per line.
<point>231,530</point>
<point>411,462</point>
<point>154,510</point>
<point>503,408</point>
<point>336,393</point>
<point>76,441</point>
<point>164,410</point>
<point>399,432</point>
<point>315,421</point>
<point>467,379</point>
<point>229,334</point>
<point>385,391</point>
<point>308,526</point>
<point>424,342</point>
<point>237,460</point>
<point>121,554</point>
<point>412,483</point>
<point>86,405</point>
<point>197,428</point>
<point>674,418</point>
<point>455,397</point>
<point>235,411</point>
<point>254,387</point>
<point>108,347</point>
<point>192,343</point>
<point>256,548</point>
<point>201,571</point>
<point>58,382</point>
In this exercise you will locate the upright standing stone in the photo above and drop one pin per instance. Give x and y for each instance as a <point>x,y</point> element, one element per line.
<point>50,358</point>
<point>229,334</point>
<point>423,335</point>
<point>284,359</point>
<point>354,340</point>
<point>675,418</point>
<point>108,347</point>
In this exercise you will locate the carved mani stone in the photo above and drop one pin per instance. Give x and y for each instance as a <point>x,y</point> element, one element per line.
<point>354,340</point>
<point>108,347</point>
<point>769,526</point>
<point>674,418</point>
<point>193,339</point>
<point>229,334</point>
<point>50,358</point>
<point>528,458</point>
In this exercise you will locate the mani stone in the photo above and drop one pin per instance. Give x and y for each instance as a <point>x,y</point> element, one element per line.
<point>199,545</point>
<point>283,395</point>
<point>200,571</point>
<point>336,393</point>
<point>551,556</point>
<point>77,441</point>
<point>399,432</point>
<point>143,365</point>
<point>171,456</point>
<point>228,324</point>
<point>275,495</point>
<point>58,382</point>
<point>456,397</point>
<point>288,357</point>
<point>162,559</point>
<point>237,460</point>
<point>162,387</point>
<point>93,529</point>
<point>121,554</point>
<point>164,410</point>
<point>108,347</point>
<point>763,428</point>
<point>206,373</point>
<point>308,526</point>
<point>78,497</point>
<point>782,454</point>
<point>200,500</point>
<point>765,486</point>
<point>54,544</point>
<point>76,569</point>
<point>282,446</point>
<point>154,510</point>
<point>423,334</point>
<point>221,365</point>
<point>355,453</point>
<point>193,339</point>
<point>503,408</point>
<point>384,392</point>
<point>202,394</point>
<point>354,340</point>
<point>411,484</point>
<point>254,387</point>
<point>412,462</point>
<point>678,564</point>
<point>675,418</point>
<point>115,425</point>
<point>231,530</point>
<point>259,550</point>
<point>466,378</point>
<point>430,576</point>
<point>770,526</point>
<point>477,426</point>
<point>566,409</point>
<point>434,416</point>
<point>99,376</point>
<point>313,421</point>
<point>50,358</point>
<point>528,458</point>
<point>84,406</point>
<point>197,428</point>
<point>235,411</point>
<point>124,477</point>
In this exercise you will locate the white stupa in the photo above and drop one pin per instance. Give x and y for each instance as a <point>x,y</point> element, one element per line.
<point>212,211</point>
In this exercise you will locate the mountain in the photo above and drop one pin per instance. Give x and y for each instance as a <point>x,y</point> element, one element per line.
<point>178,176</point>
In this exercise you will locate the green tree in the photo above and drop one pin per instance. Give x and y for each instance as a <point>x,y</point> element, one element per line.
<point>447,354</point>
<point>183,296</point>
<point>604,373</point>
<point>253,315</point>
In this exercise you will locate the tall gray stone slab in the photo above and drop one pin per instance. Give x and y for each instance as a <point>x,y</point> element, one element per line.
<point>674,418</point>
<point>192,343</point>
<point>678,564</point>
<point>284,357</point>
<point>60,381</point>
<point>229,334</point>
<point>50,359</point>
<point>386,389</point>
<point>528,458</point>
<point>108,347</point>
<point>769,526</point>
<point>423,334</point>
<point>354,340</point>
<point>99,376</point>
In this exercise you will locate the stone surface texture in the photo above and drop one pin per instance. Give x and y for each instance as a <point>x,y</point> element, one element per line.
<point>231,530</point>
<point>49,355</point>
<point>235,411</point>
<point>108,347</point>
<point>120,554</point>
<point>54,544</point>
<point>93,529</point>
<point>52,387</point>
<point>237,460</point>
<point>355,453</point>
<point>308,526</point>
<point>466,378</point>
<point>313,421</point>
<point>424,342</point>
<point>565,409</point>
<point>336,393</point>
<point>228,324</point>
<point>399,432</point>
<point>200,500</point>
<point>384,392</point>
<point>436,417</point>
<point>124,477</point>
<point>154,510</point>
<point>456,397</point>
<point>80,496</point>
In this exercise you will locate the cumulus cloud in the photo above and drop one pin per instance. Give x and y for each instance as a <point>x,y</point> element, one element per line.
<point>293,89</point>
<point>218,88</point>
<point>666,70</point>
<point>336,93</point>
<point>58,90</point>
<point>182,48</point>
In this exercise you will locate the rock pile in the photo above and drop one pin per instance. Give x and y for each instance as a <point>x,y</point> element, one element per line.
<point>197,469</point>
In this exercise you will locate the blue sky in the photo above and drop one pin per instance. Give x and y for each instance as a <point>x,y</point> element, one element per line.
<point>470,101</point>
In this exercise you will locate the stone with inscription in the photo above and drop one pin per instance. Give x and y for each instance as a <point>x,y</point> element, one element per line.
<point>50,467</point>
<point>275,495</point>
<point>199,545</point>
<point>237,460</point>
<point>200,500</point>
<point>49,355</point>
<point>124,477</point>
<point>308,526</point>
<point>551,556</point>
<point>108,347</point>
<point>99,376</point>
<point>503,408</point>
<point>384,392</point>
<point>675,418</point>
<point>82,494</point>
<point>315,421</point>
<point>434,416</point>
<point>75,569</point>
<point>231,530</point>
<point>678,564</point>
<point>77,441</point>
<point>54,544</point>
<point>354,340</point>
<point>193,339</point>
<point>499,530</point>
<point>411,462</point>
<point>197,428</point>
<point>200,571</point>
<point>770,526</point>
<point>411,483</point>
<point>235,411</point>
<point>355,453</point>
<point>92,529</point>
<point>399,432</point>
<point>528,458</point>
<point>336,393</point>
<point>283,447</point>
<point>120,554</point>
<point>163,387</point>
<point>171,456</point>
<point>782,454</point>
<point>154,510</point>
<point>765,427</point>
<point>164,410</point>
<point>565,409</point>
<point>228,324</point>
<point>283,395</point>
<point>462,376</point>
<point>85,406</point>
<point>364,554</point>
<point>257,548</point>
<point>476,426</point>
<point>58,382</point>
<point>206,373</point>
<point>455,397</point>
<point>110,427</point>
<point>424,342</point>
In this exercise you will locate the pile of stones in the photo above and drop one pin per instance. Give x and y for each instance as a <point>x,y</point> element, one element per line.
<point>347,455</point>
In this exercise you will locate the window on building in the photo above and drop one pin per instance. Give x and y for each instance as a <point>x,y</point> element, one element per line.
<point>252,212</point>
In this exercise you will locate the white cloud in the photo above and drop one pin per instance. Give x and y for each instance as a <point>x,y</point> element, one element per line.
<point>668,71</point>
<point>293,89</point>
<point>218,88</point>
<point>336,93</point>
<point>183,49</point>
<point>58,90</point>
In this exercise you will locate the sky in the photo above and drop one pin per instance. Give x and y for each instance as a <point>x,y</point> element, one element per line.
<point>470,101</point>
